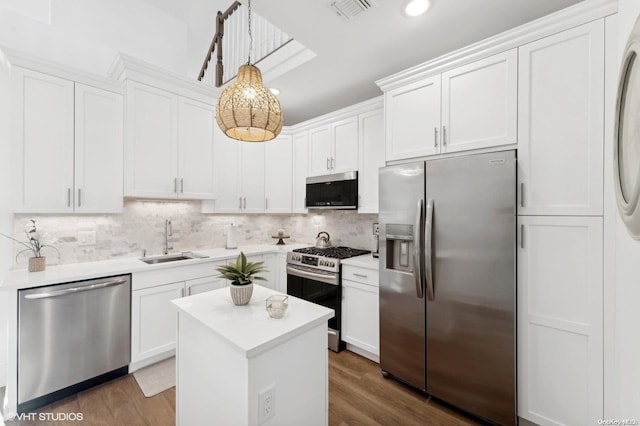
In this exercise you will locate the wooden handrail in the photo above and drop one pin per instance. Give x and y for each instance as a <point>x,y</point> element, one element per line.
<point>217,42</point>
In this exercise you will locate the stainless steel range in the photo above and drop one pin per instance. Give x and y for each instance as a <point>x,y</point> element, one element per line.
<point>313,274</point>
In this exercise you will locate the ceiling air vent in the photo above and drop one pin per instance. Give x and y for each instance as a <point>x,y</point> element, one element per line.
<point>349,9</point>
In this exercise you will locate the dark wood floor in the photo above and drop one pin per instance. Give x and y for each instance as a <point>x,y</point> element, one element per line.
<point>358,395</point>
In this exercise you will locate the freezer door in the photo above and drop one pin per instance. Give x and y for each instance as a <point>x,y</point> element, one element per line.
<point>402,303</point>
<point>470,236</point>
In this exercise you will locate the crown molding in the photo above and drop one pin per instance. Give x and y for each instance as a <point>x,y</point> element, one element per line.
<point>581,13</point>
<point>24,60</point>
<point>359,108</point>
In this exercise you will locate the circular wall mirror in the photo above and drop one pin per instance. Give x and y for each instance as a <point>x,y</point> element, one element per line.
<point>627,136</point>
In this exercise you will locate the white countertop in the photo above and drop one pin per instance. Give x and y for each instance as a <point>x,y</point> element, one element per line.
<point>249,328</point>
<point>365,261</point>
<point>21,278</point>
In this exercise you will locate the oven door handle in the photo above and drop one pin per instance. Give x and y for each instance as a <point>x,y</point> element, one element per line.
<point>303,273</point>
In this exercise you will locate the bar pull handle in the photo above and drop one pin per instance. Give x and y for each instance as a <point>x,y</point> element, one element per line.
<point>521,236</point>
<point>266,203</point>
<point>522,194</point>
<point>428,248</point>
<point>360,275</point>
<point>240,203</point>
<point>444,135</point>
<point>68,197</point>
<point>175,185</point>
<point>435,137</point>
<point>182,292</point>
<point>182,185</point>
<point>79,197</point>
<point>327,163</point>
<point>417,250</point>
<point>333,163</point>
<point>245,203</point>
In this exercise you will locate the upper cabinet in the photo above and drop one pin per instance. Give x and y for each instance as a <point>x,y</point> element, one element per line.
<point>371,148</point>
<point>469,107</point>
<point>560,123</point>
<point>169,145</point>
<point>278,174</point>
<point>333,147</point>
<point>66,145</point>
<point>300,171</point>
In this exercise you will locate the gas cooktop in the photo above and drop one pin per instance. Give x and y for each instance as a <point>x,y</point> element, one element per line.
<point>332,252</point>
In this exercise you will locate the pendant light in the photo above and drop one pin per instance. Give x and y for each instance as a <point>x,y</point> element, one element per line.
<point>247,110</point>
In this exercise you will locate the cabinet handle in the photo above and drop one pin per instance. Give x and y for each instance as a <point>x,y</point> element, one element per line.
<point>175,185</point>
<point>68,197</point>
<point>79,197</point>
<point>327,163</point>
<point>333,163</point>
<point>360,275</point>
<point>266,204</point>
<point>182,292</point>
<point>435,137</point>
<point>521,236</point>
<point>245,203</point>
<point>240,201</point>
<point>181,185</point>
<point>522,194</point>
<point>444,135</point>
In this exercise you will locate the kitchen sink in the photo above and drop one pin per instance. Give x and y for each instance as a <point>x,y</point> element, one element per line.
<point>152,260</point>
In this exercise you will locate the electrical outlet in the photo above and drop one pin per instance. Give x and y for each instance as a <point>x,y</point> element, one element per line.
<point>267,404</point>
<point>376,229</point>
<point>86,238</point>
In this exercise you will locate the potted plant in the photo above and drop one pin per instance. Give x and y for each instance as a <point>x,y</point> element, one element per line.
<point>241,274</point>
<point>35,243</point>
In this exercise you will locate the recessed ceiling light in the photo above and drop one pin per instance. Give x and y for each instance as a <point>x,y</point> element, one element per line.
<point>416,7</point>
<point>275,91</point>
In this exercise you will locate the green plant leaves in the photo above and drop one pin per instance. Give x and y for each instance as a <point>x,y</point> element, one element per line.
<point>242,272</point>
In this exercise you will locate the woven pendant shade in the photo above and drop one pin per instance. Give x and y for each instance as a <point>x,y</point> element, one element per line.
<point>247,110</point>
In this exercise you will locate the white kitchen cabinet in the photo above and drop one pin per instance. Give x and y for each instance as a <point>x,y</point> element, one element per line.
<point>269,260</point>
<point>153,320</point>
<point>67,146</point>
<point>360,310</point>
<point>226,166</point>
<point>252,177</point>
<point>469,107</point>
<point>278,174</point>
<point>168,145</point>
<point>479,103</point>
<point>560,309</point>
<point>281,272</point>
<point>371,148</point>
<point>202,285</point>
<point>333,147</point>
<point>300,171</point>
<point>413,119</point>
<point>560,124</point>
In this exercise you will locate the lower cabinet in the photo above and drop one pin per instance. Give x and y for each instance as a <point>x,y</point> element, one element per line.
<point>202,285</point>
<point>560,315</point>
<point>153,320</point>
<point>360,311</point>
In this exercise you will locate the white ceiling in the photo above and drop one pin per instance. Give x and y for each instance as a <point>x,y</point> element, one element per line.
<point>351,55</point>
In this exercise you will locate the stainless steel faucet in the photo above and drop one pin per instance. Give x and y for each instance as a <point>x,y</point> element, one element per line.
<point>168,232</point>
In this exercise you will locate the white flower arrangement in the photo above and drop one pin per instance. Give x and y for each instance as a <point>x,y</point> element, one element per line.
<point>36,240</point>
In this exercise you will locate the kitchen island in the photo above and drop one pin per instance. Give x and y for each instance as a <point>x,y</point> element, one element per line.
<point>237,366</point>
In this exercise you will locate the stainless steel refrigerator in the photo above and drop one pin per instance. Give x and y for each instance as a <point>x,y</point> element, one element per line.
<point>448,280</point>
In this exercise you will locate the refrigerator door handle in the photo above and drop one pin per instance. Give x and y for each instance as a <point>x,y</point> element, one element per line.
<point>428,248</point>
<point>417,251</point>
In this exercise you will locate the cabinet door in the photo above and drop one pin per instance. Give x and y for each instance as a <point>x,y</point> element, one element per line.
<point>360,316</point>
<point>42,149</point>
<point>151,162</point>
<point>371,159</point>
<point>345,146</point>
<point>412,123</point>
<point>281,268</point>
<point>202,285</point>
<point>319,151</point>
<point>99,145</point>
<point>226,173</point>
<point>300,171</point>
<point>272,274</point>
<point>479,103</point>
<point>196,149</point>
<point>560,126</point>
<point>252,177</point>
<point>278,173</point>
<point>560,314</point>
<point>153,320</point>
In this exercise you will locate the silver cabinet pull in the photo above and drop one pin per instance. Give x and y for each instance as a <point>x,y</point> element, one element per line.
<point>417,250</point>
<point>327,163</point>
<point>79,197</point>
<point>181,185</point>
<point>360,275</point>
<point>68,197</point>
<point>175,185</point>
<point>522,194</point>
<point>435,137</point>
<point>521,236</point>
<point>333,163</point>
<point>444,135</point>
<point>245,203</point>
<point>182,292</point>
<point>266,203</point>
<point>240,203</point>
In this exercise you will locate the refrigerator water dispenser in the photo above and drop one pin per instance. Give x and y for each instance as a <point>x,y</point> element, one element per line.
<point>400,247</point>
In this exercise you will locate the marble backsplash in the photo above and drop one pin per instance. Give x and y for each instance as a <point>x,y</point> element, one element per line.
<point>141,227</point>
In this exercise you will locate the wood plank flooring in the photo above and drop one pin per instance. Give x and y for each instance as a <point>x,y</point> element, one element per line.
<point>358,395</point>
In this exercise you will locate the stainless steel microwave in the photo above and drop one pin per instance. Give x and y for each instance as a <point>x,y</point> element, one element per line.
<point>337,191</point>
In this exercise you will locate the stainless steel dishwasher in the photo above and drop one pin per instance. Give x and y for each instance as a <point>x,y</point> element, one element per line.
<point>70,337</point>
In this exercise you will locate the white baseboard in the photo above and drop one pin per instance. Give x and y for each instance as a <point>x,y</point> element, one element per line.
<point>134,366</point>
<point>373,357</point>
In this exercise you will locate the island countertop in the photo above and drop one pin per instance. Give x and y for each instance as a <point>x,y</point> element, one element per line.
<point>249,328</point>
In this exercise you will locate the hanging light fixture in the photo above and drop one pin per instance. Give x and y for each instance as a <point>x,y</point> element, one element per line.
<point>247,110</point>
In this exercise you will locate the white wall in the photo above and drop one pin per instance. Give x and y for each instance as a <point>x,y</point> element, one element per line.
<point>625,398</point>
<point>87,34</point>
